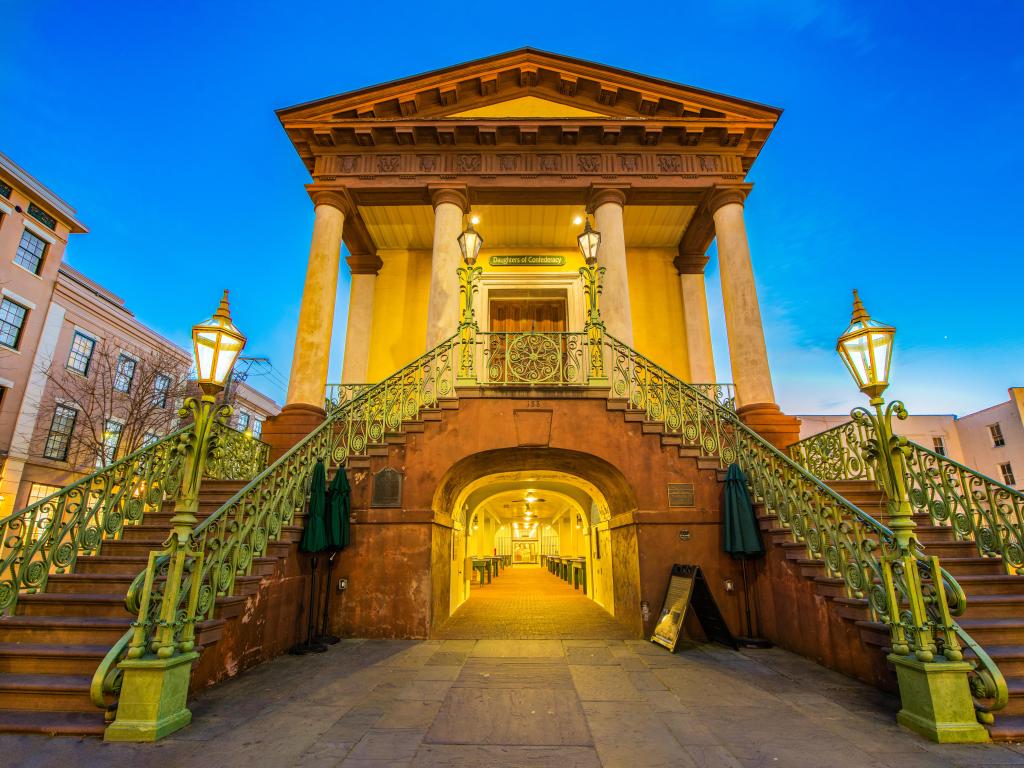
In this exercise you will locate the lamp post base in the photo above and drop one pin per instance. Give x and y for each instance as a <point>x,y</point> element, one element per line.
<point>936,700</point>
<point>153,697</point>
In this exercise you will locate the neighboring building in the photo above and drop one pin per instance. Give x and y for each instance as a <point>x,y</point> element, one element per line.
<point>938,432</point>
<point>83,380</point>
<point>993,439</point>
<point>990,441</point>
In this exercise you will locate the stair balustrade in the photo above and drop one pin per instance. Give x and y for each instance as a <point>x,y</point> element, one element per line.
<point>50,535</point>
<point>226,544</point>
<point>852,545</point>
<point>976,507</point>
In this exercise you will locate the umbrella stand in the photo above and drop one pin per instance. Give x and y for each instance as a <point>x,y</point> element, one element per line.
<point>311,645</point>
<point>323,637</point>
<point>750,640</point>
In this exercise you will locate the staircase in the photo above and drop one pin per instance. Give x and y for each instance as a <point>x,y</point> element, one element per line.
<point>50,648</point>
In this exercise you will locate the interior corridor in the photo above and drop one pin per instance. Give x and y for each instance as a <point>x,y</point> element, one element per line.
<point>526,601</point>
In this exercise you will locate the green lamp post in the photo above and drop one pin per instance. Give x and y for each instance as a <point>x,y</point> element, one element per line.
<point>470,243</point>
<point>589,241</point>
<point>160,653</point>
<point>932,673</point>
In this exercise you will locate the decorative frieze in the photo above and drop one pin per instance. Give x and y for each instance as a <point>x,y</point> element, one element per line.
<point>494,162</point>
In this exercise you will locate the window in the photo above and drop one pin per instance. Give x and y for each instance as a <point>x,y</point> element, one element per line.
<point>38,492</point>
<point>81,353</point>
<point>111,439</point>
<point>242,421</point>
<point>162,385</point>
<point>61,428</point>
<point>996,433</point>
<point>939,445</point>
<point>125,373</point>
<point>42,216</point>
<point>5,190</point>
<point>12,319</point>
<point>149,438</point>
<point>257,428</point>
<point>31,251</point>
<point>1007,472</point>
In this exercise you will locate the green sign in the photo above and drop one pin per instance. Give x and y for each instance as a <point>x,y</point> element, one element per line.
<point>527,261</point>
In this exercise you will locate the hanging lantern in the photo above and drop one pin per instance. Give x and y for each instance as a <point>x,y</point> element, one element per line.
<point>866,349</point>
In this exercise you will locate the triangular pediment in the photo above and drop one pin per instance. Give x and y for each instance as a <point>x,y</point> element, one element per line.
<point>528,106</point>
<point>524,81</point>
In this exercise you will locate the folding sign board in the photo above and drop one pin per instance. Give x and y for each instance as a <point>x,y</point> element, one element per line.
<point>687,586</point>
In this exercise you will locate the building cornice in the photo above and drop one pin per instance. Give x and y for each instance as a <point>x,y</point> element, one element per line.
<point>42,194</point>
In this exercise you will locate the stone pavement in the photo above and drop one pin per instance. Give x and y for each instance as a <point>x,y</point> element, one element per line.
<point>528,703</point>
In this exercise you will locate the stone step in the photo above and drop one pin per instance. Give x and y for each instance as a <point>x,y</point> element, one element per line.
<point>995,606</point>
<point>68,693</point>
<point>53,723</point>
<point>972,566</point>
<point>1009,658</point>
<point>70,630</point>
<point>1007,728</point>
<point>990,584</point>
<point>44,658</point>
<point>994,631</point>
<point>89,583</point>
<point>73,604</point>
<point>112,564</point>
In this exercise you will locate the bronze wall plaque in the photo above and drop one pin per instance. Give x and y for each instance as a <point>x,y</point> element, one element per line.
<point>387,488</point>
<point>681,495</point>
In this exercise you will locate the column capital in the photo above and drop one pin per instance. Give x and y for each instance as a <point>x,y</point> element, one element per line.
<point>690,263</point>
<point>456,195</point>
<point>720,196</point>
<point>334,198</point>
<point>606,194</point>
<point>364,263</point>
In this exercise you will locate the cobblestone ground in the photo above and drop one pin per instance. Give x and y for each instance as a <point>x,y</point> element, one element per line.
<point>491,702</point>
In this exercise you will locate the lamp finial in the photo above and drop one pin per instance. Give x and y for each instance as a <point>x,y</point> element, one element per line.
<point>224,310</point>
<point>859,313</point>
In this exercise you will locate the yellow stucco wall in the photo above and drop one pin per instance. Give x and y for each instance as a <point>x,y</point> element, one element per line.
<point>399,312</point>
<point>403,288</point>
<point>657,307</point>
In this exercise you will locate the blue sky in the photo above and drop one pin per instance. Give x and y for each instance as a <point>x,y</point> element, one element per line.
<point>894,169</point>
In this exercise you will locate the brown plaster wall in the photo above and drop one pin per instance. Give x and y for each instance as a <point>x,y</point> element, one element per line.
<point>794,616</point>
<point>400,583</point>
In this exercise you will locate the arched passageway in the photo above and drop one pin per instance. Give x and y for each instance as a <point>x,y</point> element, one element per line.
<point>533,550</point>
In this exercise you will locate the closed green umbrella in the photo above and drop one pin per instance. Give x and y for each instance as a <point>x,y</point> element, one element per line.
<point>339,507</point>
<point>314,541</point>
<point>741,537</point>
<point>314,535</point>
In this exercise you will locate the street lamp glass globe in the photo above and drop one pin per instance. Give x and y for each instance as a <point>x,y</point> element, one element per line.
<point>469,243</point>
<point>866,349</point>
<point>217,343</point>
<point>590,241</point>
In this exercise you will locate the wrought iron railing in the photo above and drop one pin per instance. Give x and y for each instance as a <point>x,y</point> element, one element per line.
<point>976,507</point>
<point>236,455</point>
<point>339,394</point>
<point>231,538</point>
<point>532,359</point>
<point>851,544</point>
<point>50,535</point>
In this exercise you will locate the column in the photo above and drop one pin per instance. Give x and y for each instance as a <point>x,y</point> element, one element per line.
<point>308,377</point>
<point>747,349</point>
<point>450,204</point>
<point>606,203</point>
<point>364,269</point>
<point>697,327</point>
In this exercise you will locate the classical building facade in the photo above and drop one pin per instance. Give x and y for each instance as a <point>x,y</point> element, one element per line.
<point>545,396</point>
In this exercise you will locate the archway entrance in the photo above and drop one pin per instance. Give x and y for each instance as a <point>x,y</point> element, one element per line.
<point>533,548</point>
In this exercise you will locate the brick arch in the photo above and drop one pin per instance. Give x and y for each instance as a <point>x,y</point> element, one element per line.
<point>608,481</point>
